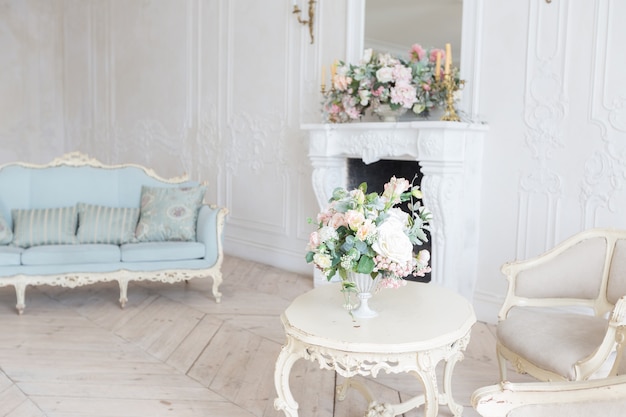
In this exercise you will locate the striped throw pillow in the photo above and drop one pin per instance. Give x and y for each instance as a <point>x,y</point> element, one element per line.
<point>6,234</point>
<point>35,227</point>
<point>102,224</point>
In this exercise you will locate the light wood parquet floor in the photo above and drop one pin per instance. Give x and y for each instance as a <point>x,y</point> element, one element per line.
<point>173,351</point>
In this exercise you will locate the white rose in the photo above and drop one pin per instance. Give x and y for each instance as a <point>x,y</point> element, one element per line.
<point>364,96</point>
<point>322,260</point>
<point>397,214</point>
<point>384,75</point>
<point>367,56</point>
<point>392,243</point>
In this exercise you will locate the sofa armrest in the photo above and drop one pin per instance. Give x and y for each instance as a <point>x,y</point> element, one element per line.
<point>210,230</point>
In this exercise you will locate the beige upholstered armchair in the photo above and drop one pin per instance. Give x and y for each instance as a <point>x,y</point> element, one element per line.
<point>565,310</point>
<point>604,397</point>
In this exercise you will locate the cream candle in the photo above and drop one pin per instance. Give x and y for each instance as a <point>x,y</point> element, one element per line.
<point>438,66</point>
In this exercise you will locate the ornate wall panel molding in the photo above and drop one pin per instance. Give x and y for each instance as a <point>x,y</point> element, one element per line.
<point>602,188</point>
<point>545,111</point>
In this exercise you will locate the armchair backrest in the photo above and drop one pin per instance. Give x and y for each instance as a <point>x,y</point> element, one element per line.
<point>616,286</point>
<point>587,269</point>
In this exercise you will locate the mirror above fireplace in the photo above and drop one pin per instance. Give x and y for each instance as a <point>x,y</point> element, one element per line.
<point>394,25</point>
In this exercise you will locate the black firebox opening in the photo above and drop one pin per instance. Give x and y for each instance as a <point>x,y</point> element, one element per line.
<point>376,175</point>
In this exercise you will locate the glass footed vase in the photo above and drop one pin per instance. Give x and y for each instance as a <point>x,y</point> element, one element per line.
<point>365,286</point>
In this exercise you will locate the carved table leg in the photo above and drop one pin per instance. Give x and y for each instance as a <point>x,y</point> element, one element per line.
<point>285,361</point>
<point>446,396</point>
<point>351,383</point>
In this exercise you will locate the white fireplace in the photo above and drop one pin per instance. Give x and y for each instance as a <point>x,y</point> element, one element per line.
<point>449,154</point>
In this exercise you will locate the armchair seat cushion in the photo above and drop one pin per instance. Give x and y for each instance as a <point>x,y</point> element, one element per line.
<point>554,344</point>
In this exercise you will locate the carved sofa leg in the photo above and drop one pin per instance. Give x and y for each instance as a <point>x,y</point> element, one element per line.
<point>217,280</point>
<point>123,292</point>
<point>20,292</point>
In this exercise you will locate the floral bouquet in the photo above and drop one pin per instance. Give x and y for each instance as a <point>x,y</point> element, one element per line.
<point>368,234</point>
<point>381,79</point>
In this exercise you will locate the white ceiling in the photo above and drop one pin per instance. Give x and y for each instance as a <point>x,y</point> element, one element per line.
<point>395,25</point>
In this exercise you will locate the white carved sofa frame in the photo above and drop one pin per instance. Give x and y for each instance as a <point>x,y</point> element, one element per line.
<point>542,330</point>
<point>604,397</point>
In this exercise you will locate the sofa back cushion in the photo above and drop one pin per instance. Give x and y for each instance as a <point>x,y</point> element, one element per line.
<point>50,226</point>
<point>39,187</point>
<point>103,224</point>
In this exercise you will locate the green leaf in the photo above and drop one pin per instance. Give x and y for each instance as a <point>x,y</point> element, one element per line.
<point>361,246</point>
<point>309,257</point>
<point>366,265</point>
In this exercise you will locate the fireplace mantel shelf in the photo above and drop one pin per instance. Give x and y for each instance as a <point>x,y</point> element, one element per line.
<point>449,154</point>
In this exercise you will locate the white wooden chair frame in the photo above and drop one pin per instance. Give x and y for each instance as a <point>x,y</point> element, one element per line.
<point>601,306</point>
<point>530,399</point>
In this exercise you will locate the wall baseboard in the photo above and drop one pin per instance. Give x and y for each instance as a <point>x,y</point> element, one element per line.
<point>487,306</point>
<point>289,261</point>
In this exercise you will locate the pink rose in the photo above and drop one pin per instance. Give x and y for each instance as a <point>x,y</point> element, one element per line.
<point>378,91</point>
<point>417,53</point>
<point>314,240</point>
<point>341,82</point>
<point>433,55</point>
<point>367,229</point>
<point>404,94</point>
<point>324,216</point>
<point>394,188</point>
<point>401,73</point>
<point>337,220</point>
<point>354,219</point>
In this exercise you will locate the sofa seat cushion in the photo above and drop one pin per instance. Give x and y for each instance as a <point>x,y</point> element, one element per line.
<point>555,344</point>
<point>70,254</point>
<point>10,255</point>
<point>161,251</point>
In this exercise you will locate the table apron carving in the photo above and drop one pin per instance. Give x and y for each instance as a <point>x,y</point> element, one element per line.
<point>348,364</point>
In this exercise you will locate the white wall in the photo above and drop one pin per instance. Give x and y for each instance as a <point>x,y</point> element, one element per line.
<point>218,89</point>
<point>553,93</point>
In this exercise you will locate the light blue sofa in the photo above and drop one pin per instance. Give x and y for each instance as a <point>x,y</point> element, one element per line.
<point>77,179</point>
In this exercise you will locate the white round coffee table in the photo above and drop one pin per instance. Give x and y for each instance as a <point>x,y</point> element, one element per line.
<point>417,326</point>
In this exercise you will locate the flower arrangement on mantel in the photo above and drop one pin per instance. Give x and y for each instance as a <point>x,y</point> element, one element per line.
<point>381,79</point>
<point>367,233</point>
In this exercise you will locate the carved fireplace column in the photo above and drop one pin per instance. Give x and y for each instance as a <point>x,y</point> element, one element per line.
<point>450,157</point>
